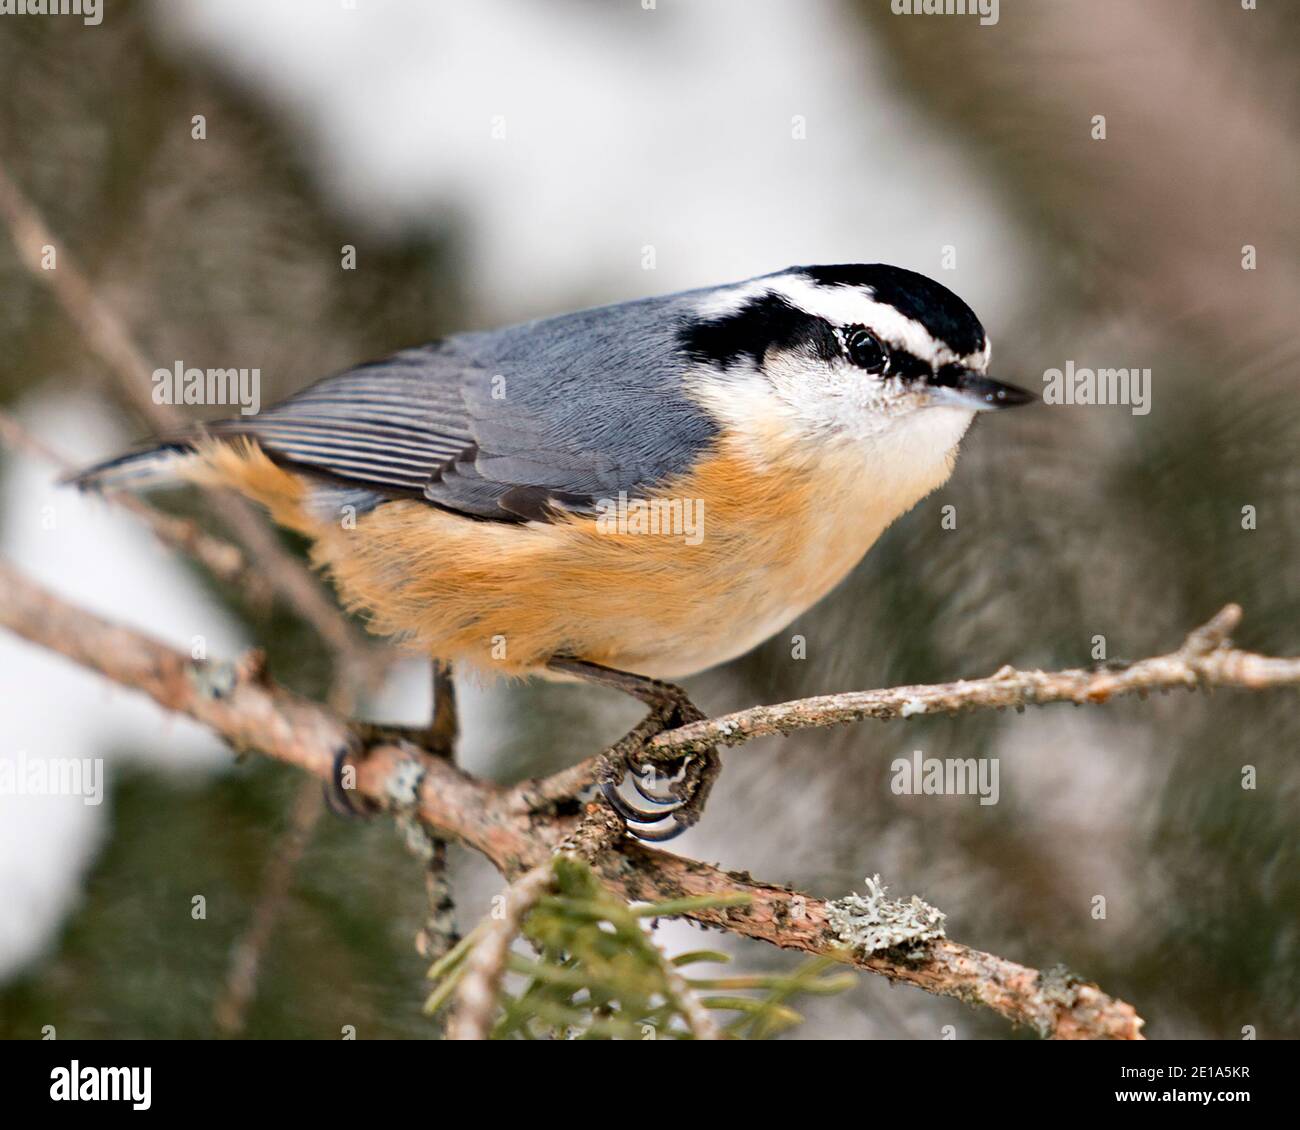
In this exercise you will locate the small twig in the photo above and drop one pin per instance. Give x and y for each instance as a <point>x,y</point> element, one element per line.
<point>480,987</point>
<point>231,1010</point>
<point>108,337</point>
<point>698,1018</point>
<point>224,561</point>
<point>1203,660</point>
<point>1055,1004</point>
<point>439,935</point>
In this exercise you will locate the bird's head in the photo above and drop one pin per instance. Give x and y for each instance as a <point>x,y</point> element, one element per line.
<point>857,351</point>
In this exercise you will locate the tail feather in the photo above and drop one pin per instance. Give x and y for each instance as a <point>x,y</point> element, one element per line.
<point>160,465</point>
<point>296,500</point>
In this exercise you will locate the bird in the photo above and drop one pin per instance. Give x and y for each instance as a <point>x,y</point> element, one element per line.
<point>625,495</point>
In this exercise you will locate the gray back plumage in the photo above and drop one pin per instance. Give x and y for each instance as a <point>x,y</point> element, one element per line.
<point>507,424</point>
<point>516,423</point>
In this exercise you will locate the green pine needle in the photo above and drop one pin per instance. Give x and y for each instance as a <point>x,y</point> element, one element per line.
<point>597,974</point>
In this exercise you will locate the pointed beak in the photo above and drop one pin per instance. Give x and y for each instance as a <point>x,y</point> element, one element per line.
<point>965,388</point>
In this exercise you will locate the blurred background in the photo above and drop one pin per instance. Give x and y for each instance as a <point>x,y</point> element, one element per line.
<point>502,160</point>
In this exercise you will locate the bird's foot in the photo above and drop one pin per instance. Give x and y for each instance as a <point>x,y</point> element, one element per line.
<point>424,738</point>
<point>438,738</point>
<point>340,790</point>
<point>674,791</point>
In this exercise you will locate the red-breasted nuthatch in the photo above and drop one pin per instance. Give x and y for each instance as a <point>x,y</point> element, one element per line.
<point>624,494</point>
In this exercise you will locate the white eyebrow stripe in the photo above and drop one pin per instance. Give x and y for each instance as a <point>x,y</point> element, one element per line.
<point>842,305</point>
<point>980,359</point>
<point>729,300</point>
<point>851,305</point>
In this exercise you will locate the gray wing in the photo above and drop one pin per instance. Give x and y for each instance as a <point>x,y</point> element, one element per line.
<point>384,425</point>
<point>511,424</point>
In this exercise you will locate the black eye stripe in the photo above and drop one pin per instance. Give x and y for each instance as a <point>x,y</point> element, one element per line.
<point>772,321</point>
<point>763,323</point>
<point>901,364</point>
<point>907,366</point>
<point>922,299</point>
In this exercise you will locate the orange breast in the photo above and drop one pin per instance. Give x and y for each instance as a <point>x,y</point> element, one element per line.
<point>505,598</point>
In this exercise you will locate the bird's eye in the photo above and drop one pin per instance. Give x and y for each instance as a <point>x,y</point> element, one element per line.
<point>865,350</point>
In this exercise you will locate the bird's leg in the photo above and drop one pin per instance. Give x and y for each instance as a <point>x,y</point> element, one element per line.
<point>440,735</point>
<point>438,738</point>
<point>685,787</point>
<point>444,727</point>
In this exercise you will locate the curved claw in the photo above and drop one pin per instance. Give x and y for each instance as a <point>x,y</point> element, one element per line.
<point>337,798</point>
<point>642,822</point>
<point>661,835</point>
<point>646,792</point>
<point>630,812</point>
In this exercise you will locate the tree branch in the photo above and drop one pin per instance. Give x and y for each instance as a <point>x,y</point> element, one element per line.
<point>519,828</point>
<point>1205,659</point>
<point>109,338</point>
<point>476,996</point>
<point>222,559</point>
<point>230,1013</point>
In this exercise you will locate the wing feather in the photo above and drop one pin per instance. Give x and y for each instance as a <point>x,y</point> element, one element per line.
<point>509,425</point>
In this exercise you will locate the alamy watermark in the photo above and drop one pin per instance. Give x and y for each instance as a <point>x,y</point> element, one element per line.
<point>950,776</point>
<point>987,10</point>
<point>179,385</point>
<point>78,1083</point>
<point>1079,385</point>
<point>662,517</point>
<point>90,11</point>
<point>53,776</point>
